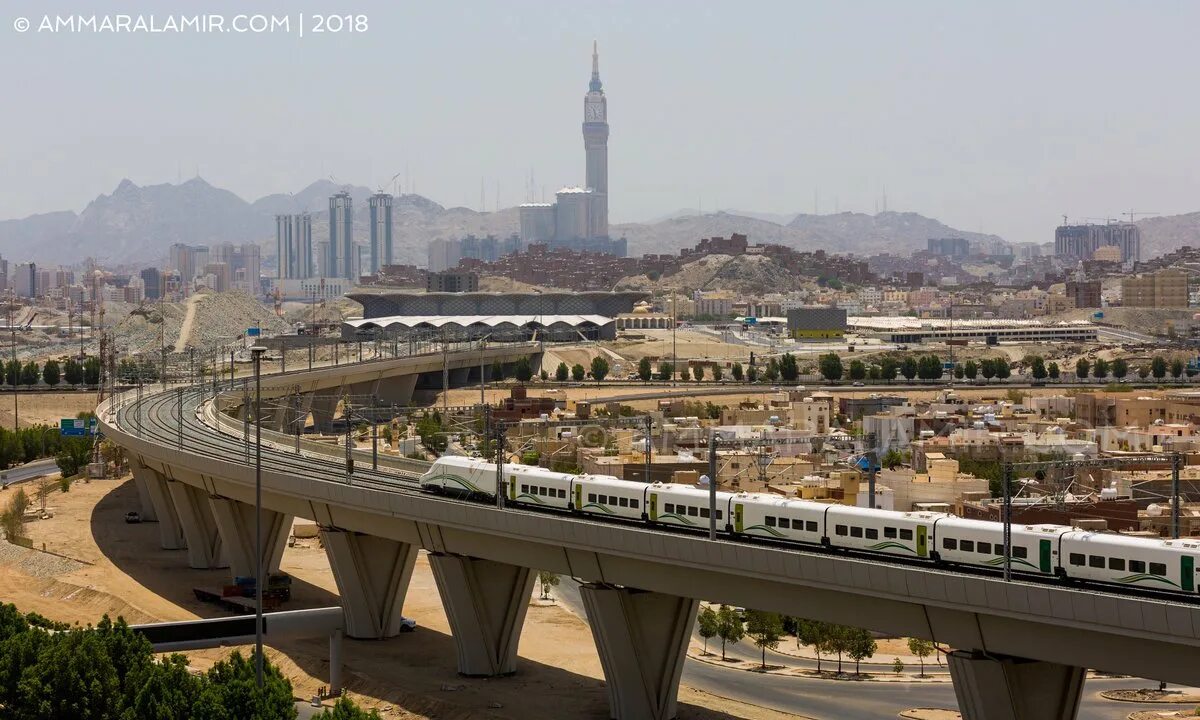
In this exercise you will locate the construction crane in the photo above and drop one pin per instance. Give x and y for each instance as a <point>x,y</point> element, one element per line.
<point>1134,213</point>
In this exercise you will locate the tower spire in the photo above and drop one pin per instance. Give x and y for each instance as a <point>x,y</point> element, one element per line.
<point>595,85</point>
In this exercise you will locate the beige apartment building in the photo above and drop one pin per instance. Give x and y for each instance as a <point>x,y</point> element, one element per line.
<point>1162,289</point>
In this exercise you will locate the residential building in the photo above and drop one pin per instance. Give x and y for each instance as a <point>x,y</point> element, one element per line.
<point>1080,242</point>
<point>1162,289</point>
<point>294,246</point>
<point>1084,293</point>
<point>343,257</point>
<point>381,231</point>
<point>449,281</point>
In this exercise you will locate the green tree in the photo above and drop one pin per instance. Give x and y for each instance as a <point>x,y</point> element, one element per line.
<point>861,646</point>
<point>12,372</point>
<point>91,371</point>
<point>729,627</point>
<point>698,373</point>
<point>345,709</point>
<point>858,370</point>
<point>752,374</point>
<point>908,367</point>
<point>1143,371</point>
<point>644,370</point>
<point>892,458</point>
<point>547,580</point>
<point>1100,368</point>
<point>788,369</point>
<point>1176,368</point>
<point>1053,371</point>
<point>922,649</point>
<point>498,371</point>
<point>72,371</point>
<point>1158,367</point>
<point>830,367</point>
<point>51,373</point>
<point>816,635</point>
<point>30,374</point>
<point>578,373</point>
<point>766,629</point>
<point>1037,368</point>
<point>1003,369</point>
<point>709,625</point>
<point>958,371</point>
<point>887,368</point>
<point>1120,368</point>
<point>736,372</point>
<point>685,374</point>
<point>1081,368</point>
<point>523,370</point>
<point>987,368</point>
<point>562,372</point>
<point>718,373</point>
<point>897,665</point>
<point>929,367</point>
<point>665,370</point>
<point>971,369</point>
<point>771,374</point>
<point>231,692</point>
<point>599,368</point>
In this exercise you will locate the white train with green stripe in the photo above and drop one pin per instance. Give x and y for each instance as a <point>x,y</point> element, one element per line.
<point>1052,551</point>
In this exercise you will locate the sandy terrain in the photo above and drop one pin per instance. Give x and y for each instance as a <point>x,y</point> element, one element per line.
<point>43,407</point>
<point>107,566</point>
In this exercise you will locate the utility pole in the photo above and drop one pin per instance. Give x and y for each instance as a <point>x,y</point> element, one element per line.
<point>374,436</point>
<point>181,418</point>
<point>674,325</point>
<point>499,466</point>
<point>445,375</point>
<point>712,484</point>
<point>649,446</point>
<point>1175,495</point>
<point>14,368</point>
<point>1005,480</point>
<point>349,414</point>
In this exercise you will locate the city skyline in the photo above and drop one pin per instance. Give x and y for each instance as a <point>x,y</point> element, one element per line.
<point>856,103</point>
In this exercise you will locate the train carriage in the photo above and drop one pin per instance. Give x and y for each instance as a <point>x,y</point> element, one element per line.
<point>888,532</point>
<point>684,506</point>
<point>461,476</point>
<point>782,518</point>
<point>1131,562</point>
<point>609,496</point>
<point>532,485</point>
<point>981,543</point>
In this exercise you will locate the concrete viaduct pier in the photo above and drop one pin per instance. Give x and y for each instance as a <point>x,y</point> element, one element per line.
<point>1021,647</point>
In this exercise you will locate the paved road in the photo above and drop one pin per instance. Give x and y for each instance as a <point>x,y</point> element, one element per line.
<point>24,472</point>
<point>848,700</point>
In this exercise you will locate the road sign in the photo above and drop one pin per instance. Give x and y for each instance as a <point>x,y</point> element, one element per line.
<point>253,332</point>
<point>76,427</point>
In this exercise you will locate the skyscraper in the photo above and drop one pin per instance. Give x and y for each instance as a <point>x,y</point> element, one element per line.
<point>595,145</point>
<point>294,245</point>
<point>342,256</point>
<point>381,231</point>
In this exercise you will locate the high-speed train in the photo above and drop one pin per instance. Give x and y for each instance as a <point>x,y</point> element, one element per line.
<point>1037,550</point>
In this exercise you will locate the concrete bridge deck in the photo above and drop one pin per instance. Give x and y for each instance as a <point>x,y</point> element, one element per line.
<point>1022,645</point>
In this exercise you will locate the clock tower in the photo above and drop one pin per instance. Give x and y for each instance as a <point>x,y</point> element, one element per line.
<point>595,145</point>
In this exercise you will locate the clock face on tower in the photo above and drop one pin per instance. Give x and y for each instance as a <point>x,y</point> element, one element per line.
<point>594,112</point>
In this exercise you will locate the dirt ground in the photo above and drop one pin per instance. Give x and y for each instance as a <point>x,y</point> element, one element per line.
<point>104,565</point>
<point>42,407</point>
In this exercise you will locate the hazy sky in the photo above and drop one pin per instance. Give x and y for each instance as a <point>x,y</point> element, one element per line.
<point>998,116</point>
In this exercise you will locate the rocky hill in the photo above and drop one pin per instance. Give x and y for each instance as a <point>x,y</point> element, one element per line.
<point>137,225</point>
<point>1161,235</point>
<point>739,274</point>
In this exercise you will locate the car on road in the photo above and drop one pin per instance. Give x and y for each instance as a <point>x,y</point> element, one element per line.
<point>858,383</point>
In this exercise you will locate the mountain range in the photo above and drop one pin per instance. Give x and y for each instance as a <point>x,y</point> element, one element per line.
<point>136,225</point>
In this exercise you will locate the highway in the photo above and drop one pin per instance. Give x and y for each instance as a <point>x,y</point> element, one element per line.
<point>848,699</point>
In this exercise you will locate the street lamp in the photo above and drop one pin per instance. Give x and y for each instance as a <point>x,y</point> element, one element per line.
<point>256,352</point>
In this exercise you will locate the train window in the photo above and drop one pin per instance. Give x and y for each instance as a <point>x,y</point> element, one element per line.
<point>623,502</point>
<point>633,504</point>
<point>810,526</point>
<point>603,499</point>
<point>592,498</point>
<point>562,493</point>
<point>1116,564</point>
<point>949,544</point>
<point>692,512</point>
<point>872,534</point>
<point>983,548</point>
<point>967,546</point>
<point>1158,569</point>
<point>1077,559</point>
<point>670,508</point>
<point>719,515</point>
<point>906,534</point>
<point>856,532</point>
<point>1137,566</point>
<point>889,532</point>
<point>785,523</point>
<point>1020,552</point>
<point>770,521</point>
<point>525,488</point>
<point>704,513</point>
<point>840,530</point>
<point>1095,561</point>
